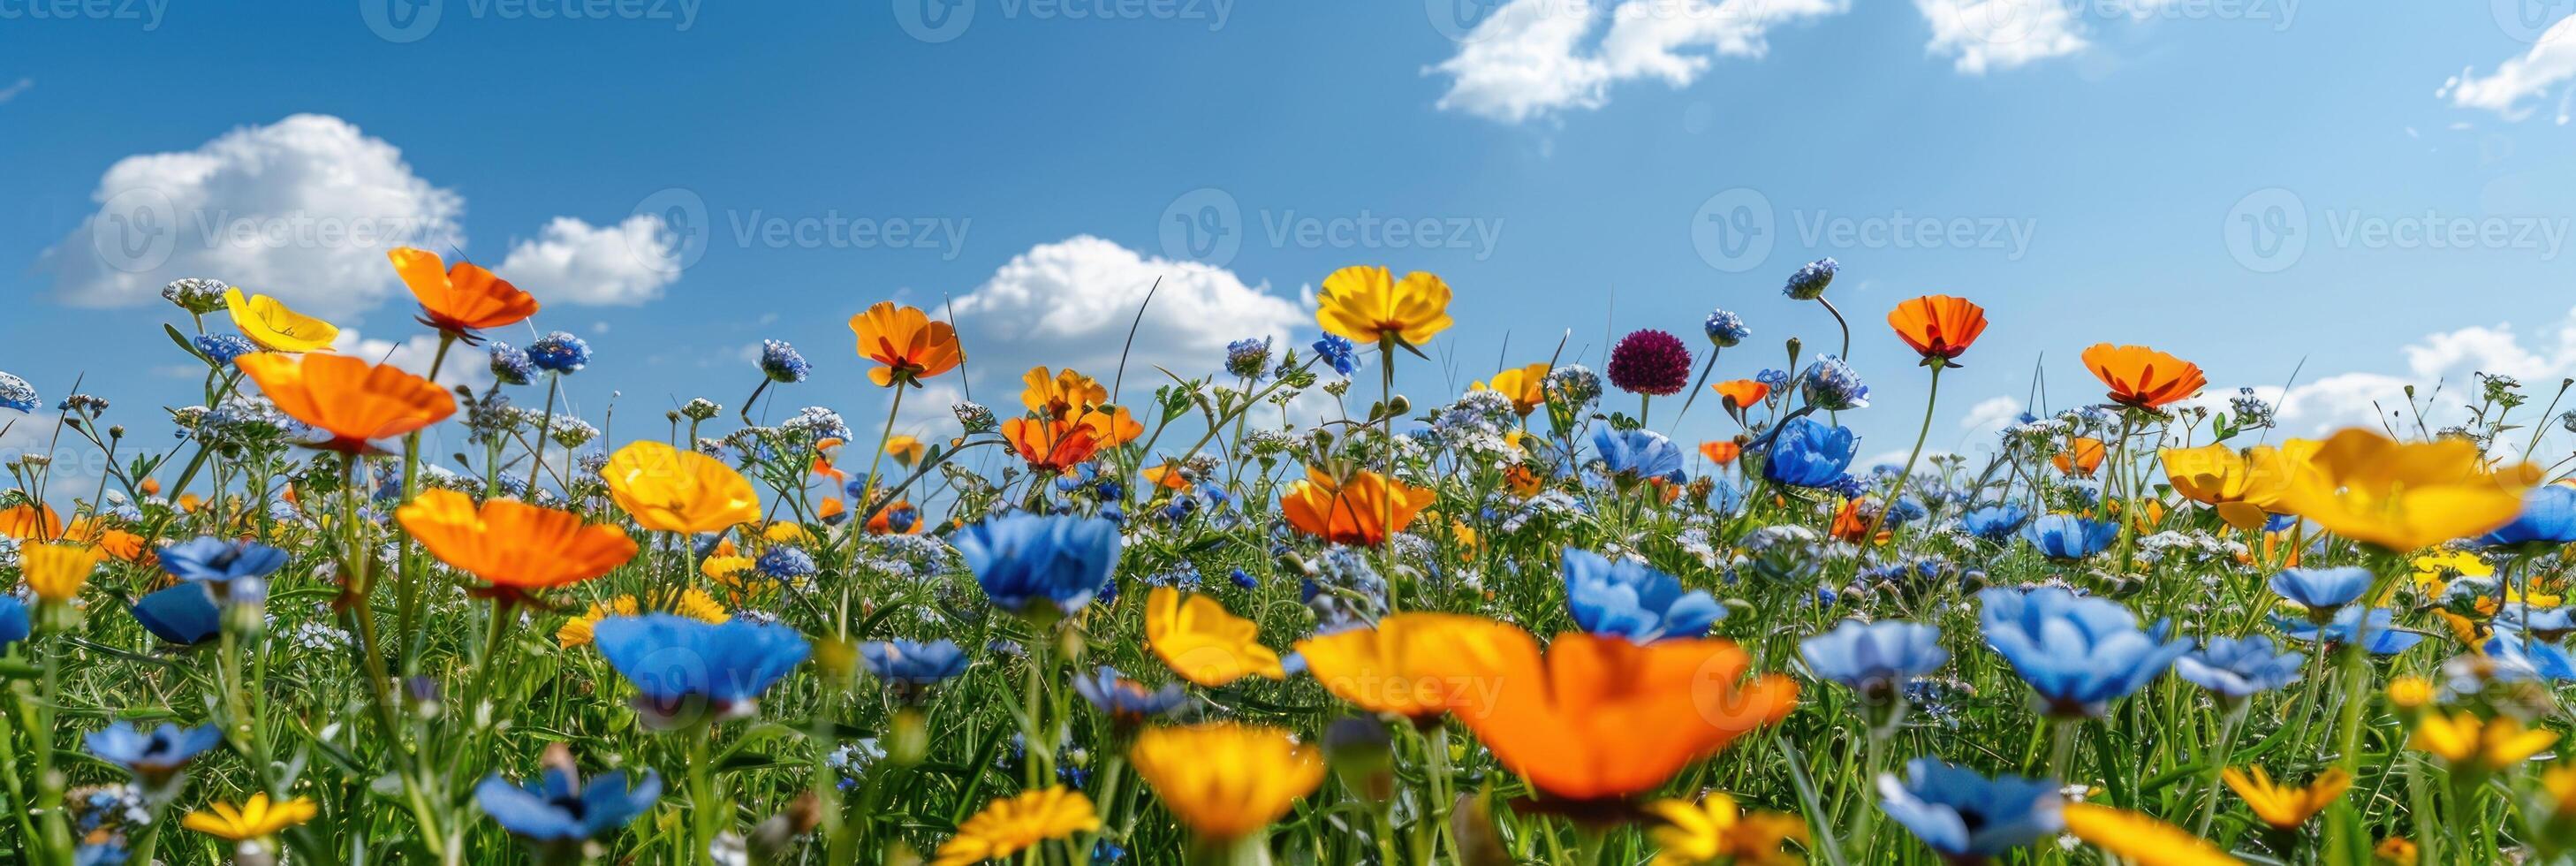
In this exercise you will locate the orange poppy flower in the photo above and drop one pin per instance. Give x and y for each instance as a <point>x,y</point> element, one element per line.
<point>884,522</point>
<point>1051,446</point>
<point>513,545</point>
<point>352,400</point>
<point>28,521</point>
<point>1849,524</point>
<point>907,342</point>
<point>1364,511</point>
<point>1938,326</point>
<point>1397,667</point>
<point>1169,476</point>
<point>461,299</point>
<point>1522,482</point>
<point>1112,425</point>
<point>830,508</point>
<point>1598,717</point>
<point>124,546</point>
<point>1741,394</point>
<point>2143,377</point>
<point>2083,454</point>
<point>1060,395</point>
<point>1525,386</point>
<point>1721,452</point>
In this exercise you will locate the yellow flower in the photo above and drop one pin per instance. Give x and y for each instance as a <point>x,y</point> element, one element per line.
<point>904,449</point>
<point>1203,643</point>
<point>678,491</point>
<point>2286,806</point>
<point>2462,740</point>
<point>2395,849</point>
<point>785,532</point>
<point>268,322</point>
<point>726,570</point>
<point>2410,693</point>
<point>1526,387</point>
<point>2560,782</point>
<point>56,572</point>
<point>1713,831</point>
<point>2242,486</point>
<point>693,603</point>
<point>2433,571</point>
<point>1367,304</point>
<point>255,819</point>
<point>2140,839</point>
<point>1010,825</point>
<point>2409,495</point>
<point>1225,779</point>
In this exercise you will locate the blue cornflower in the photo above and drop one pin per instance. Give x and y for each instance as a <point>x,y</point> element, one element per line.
<point>2375,627</point>
<point>1635,455</point>
<point>1833,385</point>
<point>2520,657</point>
<point>676,662</point>
<point>1339,352</point>
<point>785,562</point>
<point>560,809</point>
<point>1906,510</point>
<point>1247,358</point>
<point>1127,701</point>
<point>1808,453</point>
<point>1243,579</point>
<point>1023,559</point>
<point>1876,658</point>
<point>1776,380</point>
<point>182,615</point>
<point>1726,329</point>
<point>223,348</point>
<point>913,663</point>
<point>1632,600</point>
<point>1811,279</point>
<point>2548,517</point>
<point>2235,668</point>
<point>559,352</point>
<point>1967,817</point>
<point>2322,590</point>
<point>15,393</point>
<point>225,566</point>
<point>2068,537</point>
<point>512,366</point>
<point>14,625</point>
<point>1994,522</point>
<point>2078,653</point>
<point>781,363</point>
<point>156,758</point>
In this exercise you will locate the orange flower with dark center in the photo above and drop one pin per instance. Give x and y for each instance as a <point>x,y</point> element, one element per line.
<point>515,546</point>
<point>460,299</point>
<point>2142,377</point>
<point>2083,454</point>
<point>1851,522</point>
<point>1598,717</point>
<point>1364,510</point>
<point>354,401</point>
<point>1938,326</point>
<point>1051,446</point>
<point>1721,452</point>
<point>909,345</point>
<point>1060,395</point>
<point>1741,394</point>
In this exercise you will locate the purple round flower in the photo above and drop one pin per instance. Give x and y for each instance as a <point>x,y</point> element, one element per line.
<point>1650,362</point>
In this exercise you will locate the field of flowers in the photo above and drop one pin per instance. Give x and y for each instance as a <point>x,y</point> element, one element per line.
<point>1272,611</point>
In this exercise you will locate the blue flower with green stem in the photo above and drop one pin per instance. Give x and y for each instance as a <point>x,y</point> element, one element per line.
<point>1965,816</point>
<point>2078,653</point>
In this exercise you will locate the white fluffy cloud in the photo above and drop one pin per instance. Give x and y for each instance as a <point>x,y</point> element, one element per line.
<point>302,209</point>
<point>2550,62</point>
<point>2000,34</point>
<point>2448,360</point>
<point>1529,58</point>
<point>575,262</point>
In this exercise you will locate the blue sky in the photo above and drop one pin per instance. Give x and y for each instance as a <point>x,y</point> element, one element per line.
<point>2121,170</point>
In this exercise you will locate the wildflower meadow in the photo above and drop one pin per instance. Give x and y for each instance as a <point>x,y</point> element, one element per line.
<point>1270,610</point>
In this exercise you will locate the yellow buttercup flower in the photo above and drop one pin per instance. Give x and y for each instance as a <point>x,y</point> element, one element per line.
<point>693,603</point>
<point>268,322</point>
<point>2411,693</point>
<point>56,572</point>
<point>1010,825</point>
<point>1226,779</point>
<point>2433,571</point>
<point>1203,643</point>
<point>1367,304</point>
<point>2242,485</point>
<point>256,818</point>
<point>2463,740</point>
<point>2140,839</point>
<point>678,491</point>
<point>2286,806</point>
<point>904,449</point>
<point>1714,831</point>
<point>2404,496</point>
<point>1526,387</point>
<point>786,532</point>
<point>725,569</point>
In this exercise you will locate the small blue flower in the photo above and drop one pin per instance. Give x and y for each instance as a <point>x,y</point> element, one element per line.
<point>785,562</point>
<point>559,352</point>
<point>1247,358</point>
<point>1994,522</point>
<point>2548,517</point>
<point>1336,350</point>
<point>1874,658</point>
<point>1807,453</point>
<point>913,663</point>
<point>14,625</point>
<point>1243,579</point>
<point>2235,668</point>
<point>2522,657</point>
<point>781,363</point>
<point>2376,629</point>
<point>2322,590</point>
<point>1726,329</point>
<point>15,393</point>
<point>1126,700</point>
<point>2078,653</point>
<point>223,565</point>
<point>1776,380</point>
<point>2068,537</point>
<point>223,348</point>
<point>1964,815</point>
<point>1023,559</point>
<point>561,808</point>
<point>1638,454</point>
<point>1811,279</point>
<point>675,661</point>
<point>182,615</point>
<point>512,366</point>
<point>1833,385</point>
<point>152,757</point>
<point>1629,599</point>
